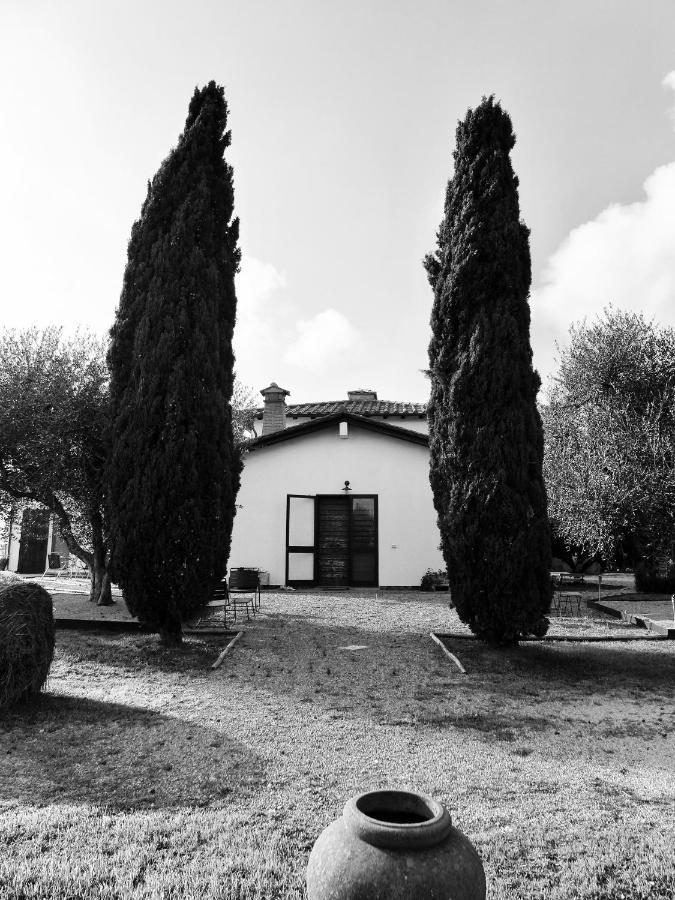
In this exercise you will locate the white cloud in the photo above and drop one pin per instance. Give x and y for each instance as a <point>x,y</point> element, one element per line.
<point>625,256</point>
<point>669,82</point>
<point>270,335</point>
<point>326,338</point>
<point>256,282</point>
<point>261,311</point>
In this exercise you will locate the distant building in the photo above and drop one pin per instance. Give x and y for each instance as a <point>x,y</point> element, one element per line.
<point>32,540</point>
<point>337,494</point>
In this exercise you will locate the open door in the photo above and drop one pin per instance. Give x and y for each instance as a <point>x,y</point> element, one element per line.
<point>300,540</point>
<point>332,563</point>
<point>346,543</point>
<point>34,538</point>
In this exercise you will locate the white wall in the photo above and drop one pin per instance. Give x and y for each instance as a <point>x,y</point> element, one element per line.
<point>14,545</point>
<point>319,463</point>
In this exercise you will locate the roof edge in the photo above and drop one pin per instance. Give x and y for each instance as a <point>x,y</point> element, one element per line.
<point>395,431</point>
<point>292,411</point>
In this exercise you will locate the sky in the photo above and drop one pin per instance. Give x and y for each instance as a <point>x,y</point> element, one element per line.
<point>343,118</point>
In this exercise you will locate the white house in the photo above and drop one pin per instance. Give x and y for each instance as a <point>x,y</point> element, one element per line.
<point>32,541</point>
<point>337,494</point>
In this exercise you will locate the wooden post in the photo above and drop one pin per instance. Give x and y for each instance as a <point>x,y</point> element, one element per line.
<point>447,652</point>
<point>222,656</point>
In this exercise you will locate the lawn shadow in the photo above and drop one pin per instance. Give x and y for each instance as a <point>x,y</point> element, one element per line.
<point>137,651</point>
<point>388,678</point>
<point>68,749</point>
<point>402,678</point>
<point>591,668</point>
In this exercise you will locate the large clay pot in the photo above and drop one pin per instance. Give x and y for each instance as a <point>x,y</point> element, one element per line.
<point>394,845</point>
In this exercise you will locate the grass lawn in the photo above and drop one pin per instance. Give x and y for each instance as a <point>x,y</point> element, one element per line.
<point>654,606</point>
<point>142,773</point>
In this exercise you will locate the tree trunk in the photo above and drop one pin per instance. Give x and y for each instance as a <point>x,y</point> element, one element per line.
<point>100,577</point>
<point>105,597</point>
<point>171,631</point>
<point>100,592</point>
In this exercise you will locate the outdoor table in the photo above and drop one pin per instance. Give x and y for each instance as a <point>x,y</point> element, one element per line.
<point>567,601</point>
<point>572,577</point>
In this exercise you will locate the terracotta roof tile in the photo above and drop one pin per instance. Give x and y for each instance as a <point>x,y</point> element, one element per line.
<point>364,408</point>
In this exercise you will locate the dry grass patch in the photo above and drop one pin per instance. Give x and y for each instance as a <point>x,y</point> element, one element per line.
<point>142,773</point>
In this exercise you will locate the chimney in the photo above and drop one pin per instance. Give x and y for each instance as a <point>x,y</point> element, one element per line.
<point>362,395</point>
<point>274,411</point>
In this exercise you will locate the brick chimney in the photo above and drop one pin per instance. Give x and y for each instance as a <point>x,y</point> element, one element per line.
<point>362,395</point>
<point>274,411</point>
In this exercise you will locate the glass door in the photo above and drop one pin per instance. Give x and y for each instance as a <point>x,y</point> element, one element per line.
<point>300,540</point>
<point>363,548</point>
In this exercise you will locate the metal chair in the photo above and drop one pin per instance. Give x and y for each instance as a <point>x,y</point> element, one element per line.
<point>244,590</point>
<point>219,600</point>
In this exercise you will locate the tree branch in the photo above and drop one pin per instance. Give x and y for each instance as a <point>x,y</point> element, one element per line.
<point>51,502</point>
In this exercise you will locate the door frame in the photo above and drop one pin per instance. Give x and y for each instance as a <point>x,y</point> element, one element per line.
<point>297,548</point>
<point>314,548</point>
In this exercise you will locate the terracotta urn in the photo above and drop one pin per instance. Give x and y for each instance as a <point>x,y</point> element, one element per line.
<point>394,845</point>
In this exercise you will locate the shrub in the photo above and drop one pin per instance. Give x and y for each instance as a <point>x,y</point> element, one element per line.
<point>7,578</point>
<point>26,641</point>
<point>649,579</point>
<point>431,579</point>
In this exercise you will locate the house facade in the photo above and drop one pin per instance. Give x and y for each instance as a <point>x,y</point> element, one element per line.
<point>337,494</point>
<point>32,538</point>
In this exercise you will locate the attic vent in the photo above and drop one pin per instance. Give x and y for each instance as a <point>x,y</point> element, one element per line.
<point>362,395</point>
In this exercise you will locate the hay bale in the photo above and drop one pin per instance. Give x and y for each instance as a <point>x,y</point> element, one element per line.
<point>26,641</point>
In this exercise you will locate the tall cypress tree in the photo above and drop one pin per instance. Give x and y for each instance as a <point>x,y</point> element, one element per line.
<point>174,470</point>
<point>485,431</point>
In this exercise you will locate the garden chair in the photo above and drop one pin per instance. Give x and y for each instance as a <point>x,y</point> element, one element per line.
<point>70,567</point>
<point>56,566</point>
<point>244,590</point>
<point>75,568</point>
<point>555,604</point>
<point>219,600</point>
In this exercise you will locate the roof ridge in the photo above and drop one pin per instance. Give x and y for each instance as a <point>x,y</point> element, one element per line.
<point>373,407</point>
<point>314,402</point>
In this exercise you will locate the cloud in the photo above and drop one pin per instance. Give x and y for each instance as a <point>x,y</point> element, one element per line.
<point>669,82</point>
<point>324,339</point>
<point>625,256</point>
<point>257,284</point>
<point>261,311</point>
<point>257,281</point>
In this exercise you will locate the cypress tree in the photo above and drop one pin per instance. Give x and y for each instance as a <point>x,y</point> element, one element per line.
<point>485,430</point>
<point>174,471</point>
